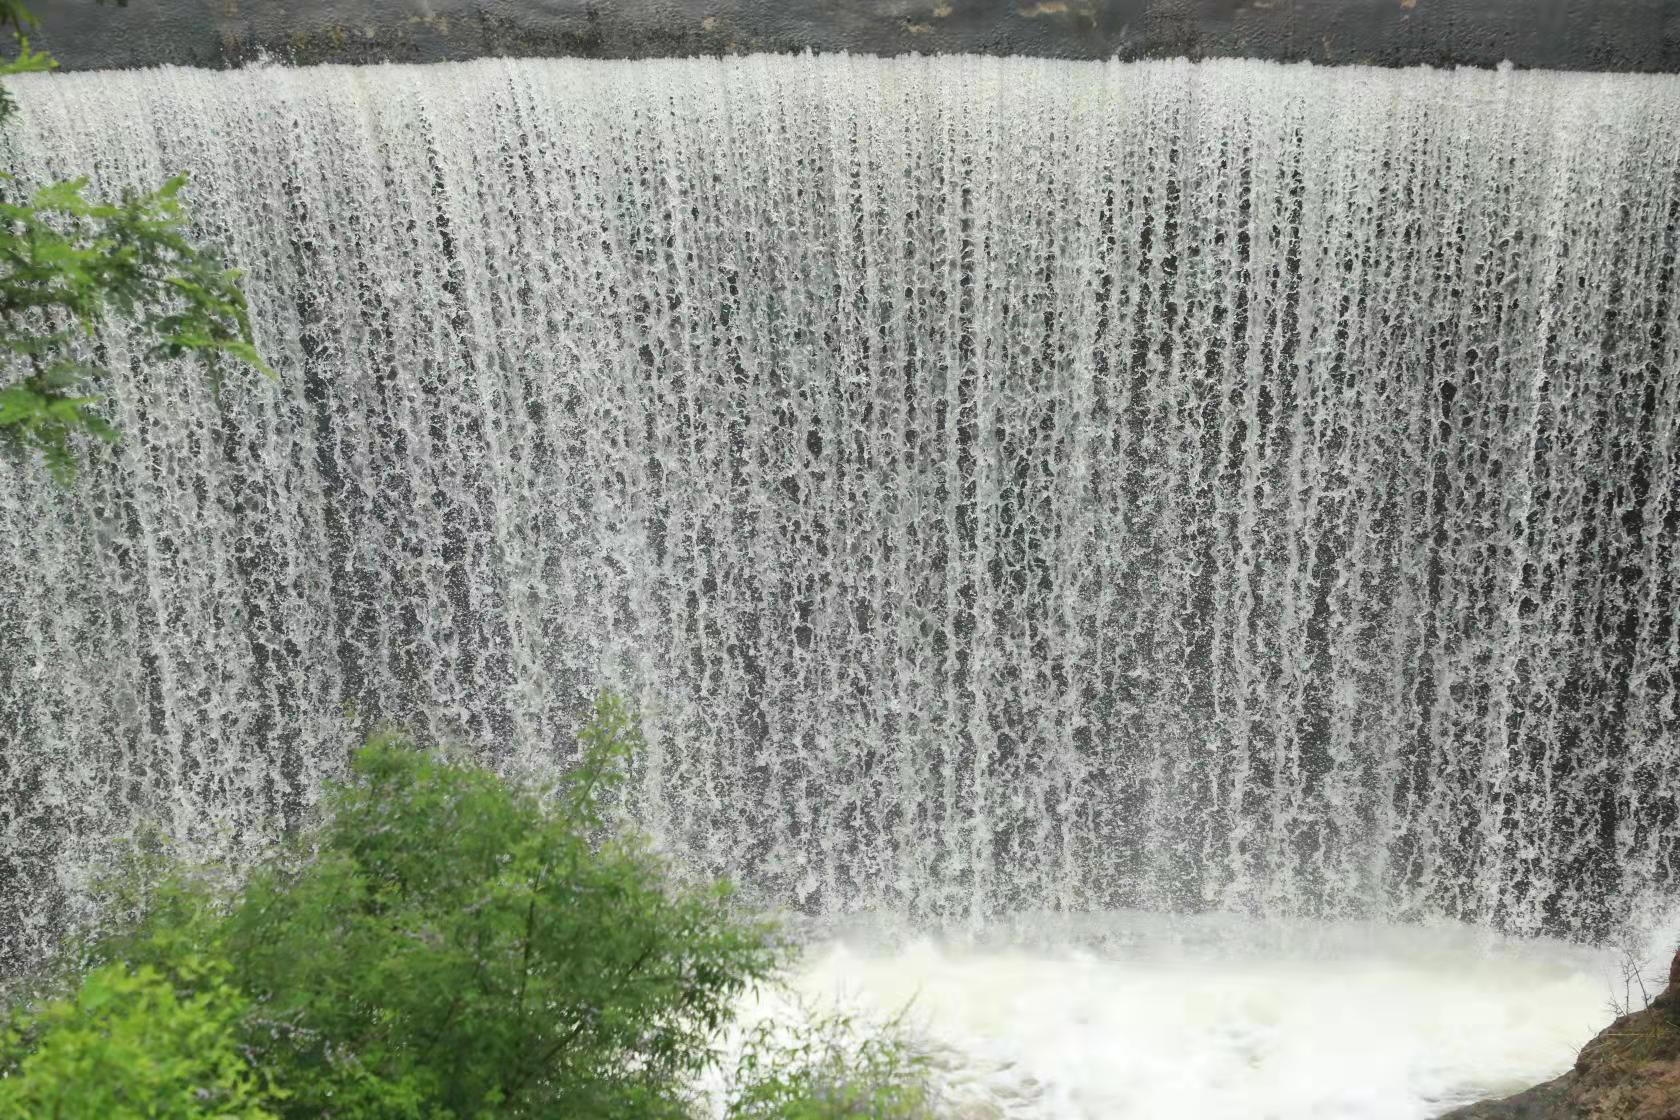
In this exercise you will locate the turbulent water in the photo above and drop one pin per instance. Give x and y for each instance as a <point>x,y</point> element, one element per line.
<point>1003,485</point>
<point>1246,1024</point>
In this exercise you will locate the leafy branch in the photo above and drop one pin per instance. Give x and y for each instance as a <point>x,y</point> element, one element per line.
<point>70,263</point>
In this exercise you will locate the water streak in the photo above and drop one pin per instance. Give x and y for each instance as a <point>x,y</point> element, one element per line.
<point>1003,484</point>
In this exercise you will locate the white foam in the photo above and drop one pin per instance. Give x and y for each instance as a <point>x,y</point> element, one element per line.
<point>1411,1024</point>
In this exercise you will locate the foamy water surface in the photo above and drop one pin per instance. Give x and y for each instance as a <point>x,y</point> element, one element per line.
<point>1346,1023</point>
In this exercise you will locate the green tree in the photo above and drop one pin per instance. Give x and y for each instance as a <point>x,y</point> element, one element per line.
<point>69,263</point>
<point>455,945</point>
<point>129,1045</point>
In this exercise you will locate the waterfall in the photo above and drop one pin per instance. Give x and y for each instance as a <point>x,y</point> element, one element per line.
<point>1002,484</point>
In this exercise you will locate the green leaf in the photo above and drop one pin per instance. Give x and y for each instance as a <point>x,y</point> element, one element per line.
<point>68,259</point>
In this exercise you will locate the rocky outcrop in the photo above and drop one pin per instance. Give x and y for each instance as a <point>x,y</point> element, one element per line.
<point>1631,1071</point>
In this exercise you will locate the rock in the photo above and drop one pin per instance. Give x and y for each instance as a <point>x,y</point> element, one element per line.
<point>1539,1103</point>
<point>1630,1071</point>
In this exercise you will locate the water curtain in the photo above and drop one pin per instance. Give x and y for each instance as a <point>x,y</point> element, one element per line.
<point>1002,484</point>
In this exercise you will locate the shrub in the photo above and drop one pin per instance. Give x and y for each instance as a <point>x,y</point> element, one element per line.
<point>129,1046</point>
<point>460,946</point>
<point>830,1068</point>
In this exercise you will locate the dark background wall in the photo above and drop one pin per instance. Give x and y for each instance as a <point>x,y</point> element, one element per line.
<point>1569,34</point>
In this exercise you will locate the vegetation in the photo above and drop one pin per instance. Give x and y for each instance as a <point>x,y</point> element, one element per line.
<point>68,263</point>
<point>827,1068</point>
<point>129,1044</point>
<point>443,945</point>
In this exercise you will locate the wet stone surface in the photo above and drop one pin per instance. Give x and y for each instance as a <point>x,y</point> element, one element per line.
<point>1577,34</point>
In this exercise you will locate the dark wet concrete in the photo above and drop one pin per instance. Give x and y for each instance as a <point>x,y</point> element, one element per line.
<point>1567,34</point>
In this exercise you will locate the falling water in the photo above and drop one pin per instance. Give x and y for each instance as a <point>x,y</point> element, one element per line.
<point>1004,485</point>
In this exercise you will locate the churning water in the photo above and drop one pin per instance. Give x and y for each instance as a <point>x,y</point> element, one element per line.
<point>1243,1023</point>
<point>1003,485</point>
